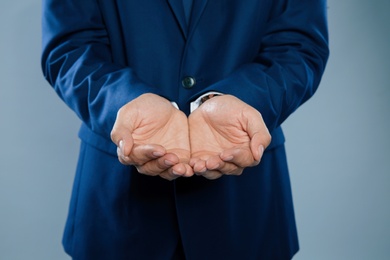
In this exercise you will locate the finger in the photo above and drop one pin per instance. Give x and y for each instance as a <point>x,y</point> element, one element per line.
<point>168,176</point>
<point>142,154</point>
<point>227,168</point>
<point>258,133</point>
<point>126,145</point>
<point>126,160</point>
<point>155,167</point>
<point>179,170</point>
<point>242,157</point>
<point>198,165</point>
<point>212,175</point>
<point>258,144</point>
<point>121,133</point>
<point>257,152</point>
<point>214,163</point>
<point>189,171</point>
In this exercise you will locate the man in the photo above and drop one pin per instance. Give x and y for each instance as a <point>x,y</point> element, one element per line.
<point>190,94</point>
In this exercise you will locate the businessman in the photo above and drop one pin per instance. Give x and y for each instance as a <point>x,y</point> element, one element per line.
<point>182,153</point>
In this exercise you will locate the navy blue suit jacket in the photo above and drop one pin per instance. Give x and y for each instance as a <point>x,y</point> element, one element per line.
<point>99,54</point>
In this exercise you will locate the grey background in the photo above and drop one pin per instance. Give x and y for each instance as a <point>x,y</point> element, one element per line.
<point>338,145</point>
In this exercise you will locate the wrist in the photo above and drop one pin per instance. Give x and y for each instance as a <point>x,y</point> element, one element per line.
<point>203,98</point>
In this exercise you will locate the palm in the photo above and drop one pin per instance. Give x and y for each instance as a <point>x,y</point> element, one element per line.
<point>162,125</point>
<point>211,135</point>
<point>225,135</point>
<point>152,135</point>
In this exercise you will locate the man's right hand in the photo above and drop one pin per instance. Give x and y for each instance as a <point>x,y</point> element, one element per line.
<point>152,135</point>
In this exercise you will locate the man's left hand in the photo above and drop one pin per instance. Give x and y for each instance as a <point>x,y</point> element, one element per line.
<point>226,136</point>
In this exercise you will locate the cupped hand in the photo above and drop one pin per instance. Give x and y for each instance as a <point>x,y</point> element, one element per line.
<point>152,135</point>
<point>226,136</point>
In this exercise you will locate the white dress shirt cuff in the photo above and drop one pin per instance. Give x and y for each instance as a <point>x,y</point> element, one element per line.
<point>195,104</point>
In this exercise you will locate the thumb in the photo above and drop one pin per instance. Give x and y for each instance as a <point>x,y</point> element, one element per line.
<point>123,139</point>
<point>257,147</point>
<point>258,134</point>
<point>121,135</point>
<point>126,145</point>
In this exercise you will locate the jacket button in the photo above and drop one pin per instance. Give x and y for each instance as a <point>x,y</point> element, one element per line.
<point>188,82</point>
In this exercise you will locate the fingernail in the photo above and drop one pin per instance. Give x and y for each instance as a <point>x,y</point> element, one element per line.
<point>168,163</point>
<point>121,146</point>
<point>158,154</point>
<point>203,170</point>
<point>176,173</point>
<point>229,158</point>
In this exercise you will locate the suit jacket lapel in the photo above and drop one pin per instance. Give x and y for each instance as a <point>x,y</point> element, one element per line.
<point>197,11</point>
<point>178,11</point>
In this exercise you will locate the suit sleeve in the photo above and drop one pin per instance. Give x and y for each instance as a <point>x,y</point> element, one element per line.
<point>78,63</point>
<point>290,63</point>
